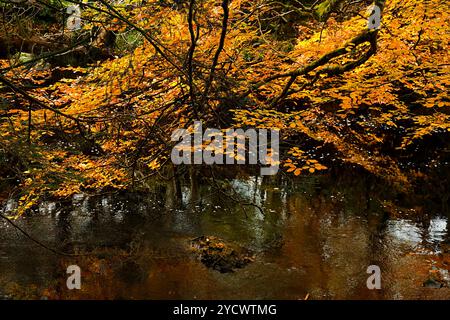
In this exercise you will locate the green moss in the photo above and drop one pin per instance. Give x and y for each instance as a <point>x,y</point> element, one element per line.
<point>128,41</point>
<point>324,8</point>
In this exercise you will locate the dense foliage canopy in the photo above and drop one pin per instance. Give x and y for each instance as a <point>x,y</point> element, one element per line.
<point>92,109</point>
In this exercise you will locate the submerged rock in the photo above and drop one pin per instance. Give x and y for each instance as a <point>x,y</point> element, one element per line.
<point>432,283</point>
<point>224,257</point>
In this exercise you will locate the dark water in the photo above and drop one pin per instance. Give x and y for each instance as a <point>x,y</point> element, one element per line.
<point>310,240</point>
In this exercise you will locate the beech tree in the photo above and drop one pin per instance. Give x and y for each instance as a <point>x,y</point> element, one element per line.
<point>94,108</point>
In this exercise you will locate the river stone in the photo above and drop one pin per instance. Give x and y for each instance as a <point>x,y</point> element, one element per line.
<point>432,283</point>
<point>218,255</point>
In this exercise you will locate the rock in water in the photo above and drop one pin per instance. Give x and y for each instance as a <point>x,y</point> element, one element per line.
<point>431,283</point>
<point>214,253</point>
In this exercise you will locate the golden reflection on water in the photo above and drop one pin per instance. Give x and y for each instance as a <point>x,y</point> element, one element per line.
<point>309,241</point>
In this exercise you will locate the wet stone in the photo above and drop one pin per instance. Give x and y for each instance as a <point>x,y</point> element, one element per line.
<point>218,255</point>
<point>432,283</point>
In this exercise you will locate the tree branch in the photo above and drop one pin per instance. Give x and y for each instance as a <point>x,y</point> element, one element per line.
<point>219,48</point>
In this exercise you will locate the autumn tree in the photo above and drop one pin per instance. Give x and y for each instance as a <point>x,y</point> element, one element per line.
<point>341,93</point>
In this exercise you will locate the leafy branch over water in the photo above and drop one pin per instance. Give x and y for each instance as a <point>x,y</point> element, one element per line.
<point>92,110</point>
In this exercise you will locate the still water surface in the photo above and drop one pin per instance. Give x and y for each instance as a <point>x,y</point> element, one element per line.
<point>310,240</point>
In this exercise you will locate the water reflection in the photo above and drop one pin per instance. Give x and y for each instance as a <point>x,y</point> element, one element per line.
<point>437,230</point>
<point>310,239</point>
<point>404,231</point>
<point>427,234</point>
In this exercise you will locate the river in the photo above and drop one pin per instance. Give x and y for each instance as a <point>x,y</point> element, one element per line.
<point>315,238</point>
